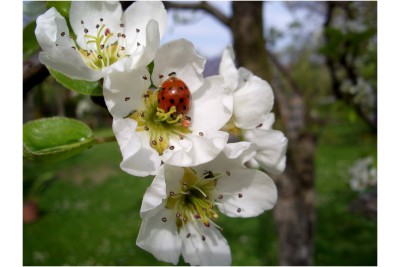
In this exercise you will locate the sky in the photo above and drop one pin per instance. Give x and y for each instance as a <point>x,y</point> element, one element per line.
<point>210,37</point>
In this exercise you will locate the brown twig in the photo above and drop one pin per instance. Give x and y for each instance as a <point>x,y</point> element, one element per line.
<point>202,6</point>
<point>34,73</point>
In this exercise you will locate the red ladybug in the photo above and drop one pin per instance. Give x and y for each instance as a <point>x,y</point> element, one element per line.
<point>174,92</point>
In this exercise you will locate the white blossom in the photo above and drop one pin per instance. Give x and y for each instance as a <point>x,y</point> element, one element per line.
<point>146,133</point>
<point>179,209</point>
<point>106,37</point>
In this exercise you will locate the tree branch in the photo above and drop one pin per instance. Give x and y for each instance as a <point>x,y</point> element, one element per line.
<point>295,87</point>
<point>202,6</point>
<point>34,73</point>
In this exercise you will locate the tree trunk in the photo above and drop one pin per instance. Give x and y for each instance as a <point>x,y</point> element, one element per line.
<point>294,213</point>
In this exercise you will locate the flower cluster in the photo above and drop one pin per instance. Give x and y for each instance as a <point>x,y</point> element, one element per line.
<point>173,123</point>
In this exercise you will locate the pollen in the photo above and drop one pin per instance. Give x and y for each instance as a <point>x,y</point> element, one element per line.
<point>161,126</point>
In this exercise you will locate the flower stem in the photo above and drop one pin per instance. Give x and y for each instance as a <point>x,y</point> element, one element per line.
<point>101,140</point>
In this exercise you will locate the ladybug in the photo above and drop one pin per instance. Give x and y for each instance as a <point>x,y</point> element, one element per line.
<point>174,92</point>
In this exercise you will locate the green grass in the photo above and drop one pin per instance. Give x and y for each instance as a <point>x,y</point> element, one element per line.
<point>89,210</point>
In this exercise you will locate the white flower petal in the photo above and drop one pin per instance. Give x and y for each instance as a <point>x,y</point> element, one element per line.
<point>228,69</point>
<point>243,151</point>
<point>138,157</point>
<point>268,122</point>
<point>246,193</point>
<point>69,62</point>
<point>252,103</point>
<point>179,56</point>
<point>271,149</point>
<point>52,29</point>
<point>123,91</point>
<point>158,237</point>
<point>172,176</point>
<point>232,157</point>
<point>143,54</point>
<point>196,148</point>
<point>137,16</point>
<point>211,105</point>
<point>214,250</point>
<point>90,13</point>
<point>155,193</point>
<point>244,76</point>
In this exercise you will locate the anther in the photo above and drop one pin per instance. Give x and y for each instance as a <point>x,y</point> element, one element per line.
<point>101,19</point>
<point>97,26</point>
<point>107,32</point>
<point>62,34</point>
<point>184,183</point>
<point>207,224</point>
<point>178,215</point>
<point>142,114</point>
<point>86,30</point>
<point>99,57</point>
<point>101,46</point>
<point>171,148</point>
<point>164,219</point>
<point>239,210</point>
<point>87,53</point>
<point>181,137</point>
<point>137,30</point>
<point>154,142</point>
<point>184,219</point>
<point>127,98</point>
<point>121,25</point>
<point>146,128</point>
<point>172,73</point>
<point>144,77</point>
<point>122,48</point>
<point>188,235</point>
<point>160,76</point>
<point>123,35</point>
<point>145,95</point>
<point>197,216</point>
<point>171,193</point>
<point>240,195</point>
<point>73,47</point>
<point>203,238</point>
<point>201,133</point>
<point>258,126</point>
<point>82,22</point>
<point>228,173</point>
<point>220,197</point>
<point>160,139</point>
<point>138,44</point>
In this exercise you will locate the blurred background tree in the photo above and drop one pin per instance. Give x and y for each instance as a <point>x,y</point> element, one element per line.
<point>325,86</point>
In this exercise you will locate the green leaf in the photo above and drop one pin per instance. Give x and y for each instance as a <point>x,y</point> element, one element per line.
<point>30,44</point>
<point>57,138</point>
<point>61,6</point>
<point>79,86</point>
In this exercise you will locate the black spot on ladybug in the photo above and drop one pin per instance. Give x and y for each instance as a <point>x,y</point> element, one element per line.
<point>163,88</point>
<point>181,100</point>
<point>180,88</point>
<point>162,98</point>
<point>169,89</point>
<point>188,96</point>
<point>171,101</point>
<point>184,107</point>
